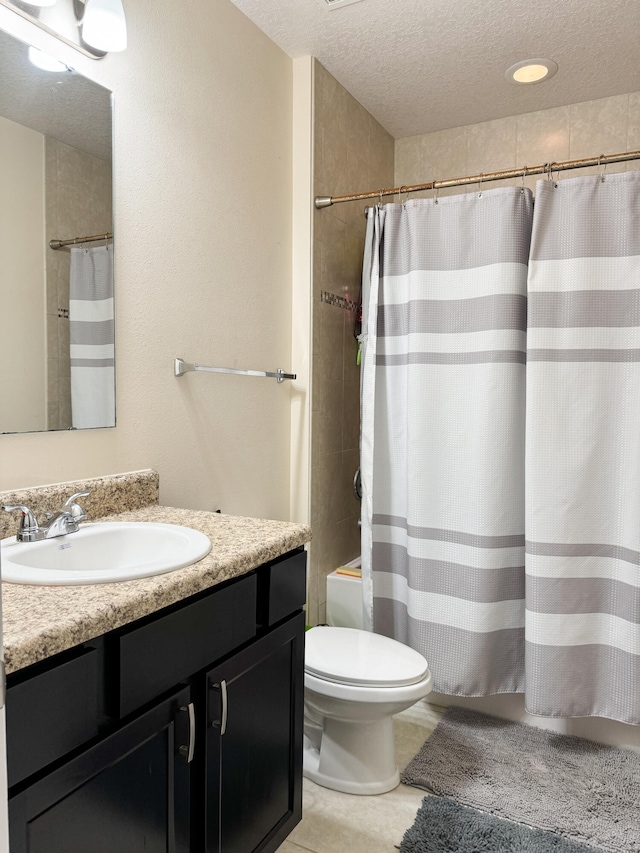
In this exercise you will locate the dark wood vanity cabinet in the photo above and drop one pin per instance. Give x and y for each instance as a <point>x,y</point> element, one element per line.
<point>128,792</point>
<point>179,733</point>
<point>253,744</point>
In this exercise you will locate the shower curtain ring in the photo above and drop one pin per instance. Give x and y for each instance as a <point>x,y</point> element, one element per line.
<point>603,166</point>
<point>380,196</point>
<point>524,173</point>
<point>480,184</point>
<point>435,199</point>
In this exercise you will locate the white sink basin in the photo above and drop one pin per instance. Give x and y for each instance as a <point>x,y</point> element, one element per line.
<point>103,552</point>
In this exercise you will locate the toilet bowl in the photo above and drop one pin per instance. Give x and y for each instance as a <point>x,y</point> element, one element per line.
<point>354,683</point>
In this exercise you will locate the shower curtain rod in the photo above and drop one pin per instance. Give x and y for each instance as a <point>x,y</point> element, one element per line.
<point>60,244</point>
<point>543,168</point>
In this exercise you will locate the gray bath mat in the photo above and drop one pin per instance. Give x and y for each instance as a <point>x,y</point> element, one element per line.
<point>585,791</point>
<point>442,826</point>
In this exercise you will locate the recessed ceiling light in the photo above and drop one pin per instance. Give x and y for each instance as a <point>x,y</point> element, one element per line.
<point>531,71</point>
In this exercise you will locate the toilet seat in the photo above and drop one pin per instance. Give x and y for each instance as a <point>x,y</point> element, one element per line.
<point>350,656</point>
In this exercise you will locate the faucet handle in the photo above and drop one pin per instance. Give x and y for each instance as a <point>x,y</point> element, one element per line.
<point>28,522</point>
<point>74,509</point>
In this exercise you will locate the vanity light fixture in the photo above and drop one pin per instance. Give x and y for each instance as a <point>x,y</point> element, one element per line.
<point>531,71</point>
<point>45,62</point>
<point>104,26</point>
<point>92,27</point>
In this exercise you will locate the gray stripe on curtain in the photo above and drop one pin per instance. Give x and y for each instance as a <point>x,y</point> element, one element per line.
<point>451,236</point>
<point>584,308</point>
<point>579,677</point>
<point>460,537</point>
<point>580,549</point>
<point>447,578</point>
<point>487,357</point>
<point>93,362</point>
<point>101,287</point>
<point>457,672</point>
<point>603,355</point>
<point>438,316</point>
<point>96,332</point>
<point>579,206</point>
<point>587,595</point>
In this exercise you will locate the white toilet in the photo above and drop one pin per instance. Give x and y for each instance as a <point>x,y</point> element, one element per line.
<point>354,683</point>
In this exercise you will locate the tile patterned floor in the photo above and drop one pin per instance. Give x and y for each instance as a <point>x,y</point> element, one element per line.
<point>333,822</point>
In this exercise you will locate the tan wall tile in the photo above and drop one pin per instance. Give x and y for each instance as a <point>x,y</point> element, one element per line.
<point>327,500</point>
<point>490,145</point>
<point>408,160</point>
<point>329,417</point>
<point>633,130</point>
<point>542,137</point>
<point>330,341</point>
<point>599,127</point>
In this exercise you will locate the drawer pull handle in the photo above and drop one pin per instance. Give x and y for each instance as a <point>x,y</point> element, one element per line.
<point>187,751</point>
<point>222,722</point>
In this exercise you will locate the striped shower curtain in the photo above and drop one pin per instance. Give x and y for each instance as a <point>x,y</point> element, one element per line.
<point>583,450</point>
<point>91,333</point>
<point>443,401</point>
<point>445,481</point>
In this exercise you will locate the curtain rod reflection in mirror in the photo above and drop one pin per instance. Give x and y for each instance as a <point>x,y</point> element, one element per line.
<point>60,244</point>
<point>92,27</point>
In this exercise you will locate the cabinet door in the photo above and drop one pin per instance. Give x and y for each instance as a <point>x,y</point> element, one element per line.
<point>254,744</point>
<point>129,792</point>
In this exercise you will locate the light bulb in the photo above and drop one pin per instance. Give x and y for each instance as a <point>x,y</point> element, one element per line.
<point>104,26</point>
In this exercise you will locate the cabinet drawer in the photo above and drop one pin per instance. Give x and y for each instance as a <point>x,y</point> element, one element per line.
<point>51,713</point>
<point>282,587</point>
<point>157,656</point>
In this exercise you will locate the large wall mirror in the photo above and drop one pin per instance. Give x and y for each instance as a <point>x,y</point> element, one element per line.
<point>56,284</point>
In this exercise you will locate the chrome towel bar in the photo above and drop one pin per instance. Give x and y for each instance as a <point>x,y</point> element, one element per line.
<point>180,367</point>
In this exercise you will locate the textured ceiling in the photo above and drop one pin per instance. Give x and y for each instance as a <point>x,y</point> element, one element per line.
<point>424,65</point>
<point>64,105</point>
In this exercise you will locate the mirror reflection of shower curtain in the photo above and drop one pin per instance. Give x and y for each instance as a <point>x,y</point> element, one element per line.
<point>443,434</point>
<point>91,332</point>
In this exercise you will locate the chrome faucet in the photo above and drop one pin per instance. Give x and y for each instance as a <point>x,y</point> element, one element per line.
<point>63,522</point>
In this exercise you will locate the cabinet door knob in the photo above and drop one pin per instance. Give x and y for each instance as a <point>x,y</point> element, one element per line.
<point>222,722</point>
<point>187,751</point>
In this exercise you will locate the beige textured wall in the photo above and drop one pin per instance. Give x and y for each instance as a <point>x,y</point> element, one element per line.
<point>351,152</point>
<point>202,219</point>
<point>22,287</point>
<point>606,126</point>
<point>77,203</point>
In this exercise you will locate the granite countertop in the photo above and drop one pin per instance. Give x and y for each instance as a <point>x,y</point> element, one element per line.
<point>40,621</point>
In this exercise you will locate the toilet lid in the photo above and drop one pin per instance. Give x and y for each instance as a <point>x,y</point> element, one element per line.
<point>352,656</point>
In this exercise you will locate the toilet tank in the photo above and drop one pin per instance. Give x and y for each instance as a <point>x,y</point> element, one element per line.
<point>344,601</point>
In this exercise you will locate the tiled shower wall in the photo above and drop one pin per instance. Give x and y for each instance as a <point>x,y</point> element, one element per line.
<point>606,126</point>
<point>78,203</point>
<point>352,153</point>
